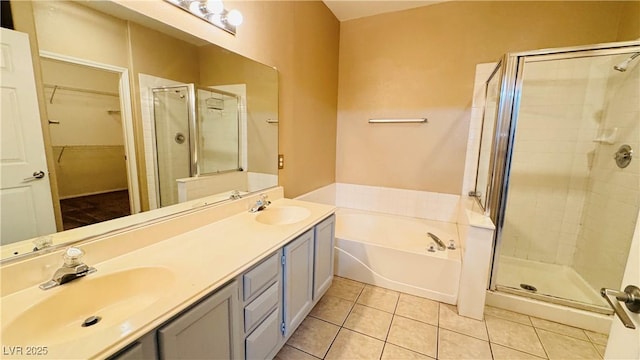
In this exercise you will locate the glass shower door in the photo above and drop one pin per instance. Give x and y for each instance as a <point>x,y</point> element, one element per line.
<point>570,210</point>
<point>218,131</point>
<point>173,140</point>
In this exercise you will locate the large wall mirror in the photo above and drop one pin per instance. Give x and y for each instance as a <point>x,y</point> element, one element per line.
<point>143,121</point>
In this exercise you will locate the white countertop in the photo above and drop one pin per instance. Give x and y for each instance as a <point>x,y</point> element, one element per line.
<point>198,262</point>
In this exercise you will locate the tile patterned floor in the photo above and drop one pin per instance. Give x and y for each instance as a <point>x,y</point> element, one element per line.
<point>358,321</point>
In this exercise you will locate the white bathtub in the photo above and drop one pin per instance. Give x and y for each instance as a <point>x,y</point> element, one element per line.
<point>391,251</point>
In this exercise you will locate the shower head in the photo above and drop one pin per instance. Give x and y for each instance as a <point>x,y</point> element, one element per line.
<point>622,67</point>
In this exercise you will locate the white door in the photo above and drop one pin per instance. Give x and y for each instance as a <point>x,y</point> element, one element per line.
<point>624,343</point>
<point>25,196</point>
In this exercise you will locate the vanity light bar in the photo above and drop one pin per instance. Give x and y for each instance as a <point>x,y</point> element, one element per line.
<point>211,11</point>
<point>398,121</point>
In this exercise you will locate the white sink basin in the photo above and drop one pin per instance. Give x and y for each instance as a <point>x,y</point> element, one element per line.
<point>114,298</point>
<point>282,215</point>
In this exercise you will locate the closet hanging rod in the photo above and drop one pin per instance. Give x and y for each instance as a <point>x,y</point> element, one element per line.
<point>398,121</point>
<point>68,88</point>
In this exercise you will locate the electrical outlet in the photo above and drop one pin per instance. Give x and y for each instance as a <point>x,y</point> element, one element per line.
<point>280,161</point>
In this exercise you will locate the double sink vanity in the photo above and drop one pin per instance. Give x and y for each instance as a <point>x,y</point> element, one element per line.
<point>231,284</point>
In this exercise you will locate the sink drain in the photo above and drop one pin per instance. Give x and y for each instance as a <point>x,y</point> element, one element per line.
<point>528,287</point>
<point>91,320</point>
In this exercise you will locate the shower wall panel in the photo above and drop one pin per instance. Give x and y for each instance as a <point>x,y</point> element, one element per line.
<point>613,194</point>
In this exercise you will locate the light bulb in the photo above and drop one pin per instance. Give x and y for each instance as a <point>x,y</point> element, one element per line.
<point>196,7</point>
<point>234,17</point>
<point>214,6</point>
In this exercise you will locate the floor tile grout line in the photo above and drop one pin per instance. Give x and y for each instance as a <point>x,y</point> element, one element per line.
<point>486,328</point>
<point>342,326</point>
<point>564,334</point>
<point>507,346</point>
<point>597,352</point>
<point>505,319</point>
<point>301,351</point>
<point>544,348</point>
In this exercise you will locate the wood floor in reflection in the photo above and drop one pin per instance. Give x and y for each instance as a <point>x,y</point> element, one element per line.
<point>91,209</point>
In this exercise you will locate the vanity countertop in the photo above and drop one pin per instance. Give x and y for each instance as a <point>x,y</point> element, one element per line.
<point>186,267</point>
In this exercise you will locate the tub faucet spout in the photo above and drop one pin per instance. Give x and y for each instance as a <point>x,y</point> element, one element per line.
<point>440,243</point>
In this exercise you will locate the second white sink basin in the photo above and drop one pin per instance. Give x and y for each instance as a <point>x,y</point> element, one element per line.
<point>282,215</point>
<point>114,297</point>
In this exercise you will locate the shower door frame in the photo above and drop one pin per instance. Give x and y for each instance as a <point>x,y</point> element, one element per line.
<point>506,124</point>
<point>191,121</point>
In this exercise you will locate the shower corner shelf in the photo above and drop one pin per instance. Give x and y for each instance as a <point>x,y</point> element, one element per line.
<point>607,136</point>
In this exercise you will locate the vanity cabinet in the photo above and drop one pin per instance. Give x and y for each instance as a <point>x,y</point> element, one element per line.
<point>206,331</point>
<point>255,314</point>
<point>324,241</point>
<point>298,280</point>
<point>308,272</point>
<point>261,308</point>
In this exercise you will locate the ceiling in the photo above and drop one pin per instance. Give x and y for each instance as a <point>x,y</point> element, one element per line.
<point>353,9</point>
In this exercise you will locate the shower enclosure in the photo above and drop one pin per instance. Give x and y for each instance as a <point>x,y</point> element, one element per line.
<point>557,173</point>
<point>196,133</point>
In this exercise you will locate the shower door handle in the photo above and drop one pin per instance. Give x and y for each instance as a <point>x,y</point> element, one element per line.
<point>631,298</point>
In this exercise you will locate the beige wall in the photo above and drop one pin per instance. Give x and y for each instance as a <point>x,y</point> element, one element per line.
<point>78,31</point>
<point>629,21</point>
<point>421,62</point>
<point>300,39</point>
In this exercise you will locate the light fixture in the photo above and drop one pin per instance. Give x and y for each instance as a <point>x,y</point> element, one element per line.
<point>211,11</point>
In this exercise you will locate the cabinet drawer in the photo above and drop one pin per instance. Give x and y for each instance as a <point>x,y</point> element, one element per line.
<point>258,277</point>
<point>259,307</point>
<point>264,339</point>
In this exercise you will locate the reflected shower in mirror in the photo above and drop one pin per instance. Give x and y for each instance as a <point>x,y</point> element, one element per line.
<point>121,64</point>
<point>218,131</point>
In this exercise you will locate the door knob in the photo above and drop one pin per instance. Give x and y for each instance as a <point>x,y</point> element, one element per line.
<point>631,298</point>
<point>36,175</point>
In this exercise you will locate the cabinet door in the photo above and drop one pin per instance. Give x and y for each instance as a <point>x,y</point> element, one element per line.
<point>209,330</point>
<point>323,261</point>
<point>143,349</point>
<point>298,280</point>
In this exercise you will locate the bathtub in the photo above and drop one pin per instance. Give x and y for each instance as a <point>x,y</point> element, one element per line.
<point>391,251</point>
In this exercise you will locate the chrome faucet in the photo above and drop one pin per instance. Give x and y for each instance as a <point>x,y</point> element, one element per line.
<point>72,269</point>
<point>440,243</point>
<point>260,204</point>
